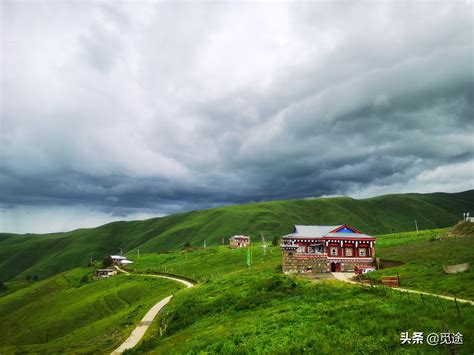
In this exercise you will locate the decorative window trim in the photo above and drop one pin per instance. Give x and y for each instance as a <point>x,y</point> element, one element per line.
<point>362,251</point>
<point>333,251</point>
<point>348,252</point>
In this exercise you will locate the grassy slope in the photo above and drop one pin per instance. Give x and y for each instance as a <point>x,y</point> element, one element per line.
<point>59,315</point>
<point>262,313</point>
<point>236,310</point>
<point>423,260</point>
<point>45,255</point>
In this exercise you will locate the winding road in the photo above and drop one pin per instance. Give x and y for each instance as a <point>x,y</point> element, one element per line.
<point>145,322</point>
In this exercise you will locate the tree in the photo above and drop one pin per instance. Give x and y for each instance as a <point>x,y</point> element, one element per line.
<point>276,241</point>
<point>107,261</point>
<point>35,278</point>
<point>84,279</point>
<point>187,245</point>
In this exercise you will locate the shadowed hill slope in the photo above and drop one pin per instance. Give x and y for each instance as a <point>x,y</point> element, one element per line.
<point>48,254</point>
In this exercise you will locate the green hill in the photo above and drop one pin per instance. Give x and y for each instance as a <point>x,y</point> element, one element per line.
<point>49,254</point>
<point>235,309</point>
<point>61,315</point>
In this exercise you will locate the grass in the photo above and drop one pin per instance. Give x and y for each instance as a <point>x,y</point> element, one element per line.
<point>61,315</point>
<point>422,261</point>
<point>49,254</point>
<point>239,310</point>
<point>207,264</point>
<point>423,258</point>
<point>266,313</point>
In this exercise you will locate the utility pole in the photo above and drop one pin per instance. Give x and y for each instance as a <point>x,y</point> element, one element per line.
<point>204,244</point>
<point>416,225</point>
<point>222,240</point>
<point>138,252</point>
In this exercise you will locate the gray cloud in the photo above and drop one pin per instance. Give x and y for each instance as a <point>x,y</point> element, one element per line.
<point>152,108</point>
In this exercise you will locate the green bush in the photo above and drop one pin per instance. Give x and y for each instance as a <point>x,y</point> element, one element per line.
<point>107,261</point>
<point>84,279</point>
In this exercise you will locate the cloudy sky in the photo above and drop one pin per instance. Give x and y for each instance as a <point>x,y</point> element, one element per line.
<point>125,111</point>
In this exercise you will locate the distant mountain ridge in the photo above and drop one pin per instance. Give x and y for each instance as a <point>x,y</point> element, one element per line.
<point>47,254</point>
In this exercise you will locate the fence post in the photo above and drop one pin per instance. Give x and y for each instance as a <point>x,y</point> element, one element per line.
<point>457,307</point>
<point>440,303</point>
<point>422,299</point>
<point>398,278</point>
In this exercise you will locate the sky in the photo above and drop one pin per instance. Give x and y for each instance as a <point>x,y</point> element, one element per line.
<point>129,110</point>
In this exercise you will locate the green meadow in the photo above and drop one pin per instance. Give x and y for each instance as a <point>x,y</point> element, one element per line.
<point>49,254</point>
<point>240,310</point>
<point>264,312</point>
<point>422,259</point>
<point>235,308</point>
<point>63,315</point>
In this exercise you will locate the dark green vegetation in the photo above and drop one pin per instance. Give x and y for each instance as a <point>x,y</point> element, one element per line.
<point>49,254</point>
<point>237,310</point>
<point>63,315</point>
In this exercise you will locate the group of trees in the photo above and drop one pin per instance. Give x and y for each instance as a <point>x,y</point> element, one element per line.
<point>107,262</point>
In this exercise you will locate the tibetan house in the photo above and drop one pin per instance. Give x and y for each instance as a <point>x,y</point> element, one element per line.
<point>239,241</point>
<point>317,249</point>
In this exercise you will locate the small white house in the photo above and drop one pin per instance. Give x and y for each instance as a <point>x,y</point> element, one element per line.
<point>120,260</point>
<point>104,273</point>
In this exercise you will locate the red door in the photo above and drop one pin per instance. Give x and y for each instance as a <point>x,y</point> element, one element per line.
<point>338,267</point>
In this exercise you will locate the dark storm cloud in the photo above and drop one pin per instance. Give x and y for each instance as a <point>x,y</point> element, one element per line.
<point>157,108</point>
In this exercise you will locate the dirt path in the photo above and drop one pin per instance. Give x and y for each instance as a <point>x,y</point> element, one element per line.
<point>347,276</point>
<point>145,322</point>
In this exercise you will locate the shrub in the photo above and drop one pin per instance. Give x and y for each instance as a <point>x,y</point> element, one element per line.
<point>276,241</point>
<point>84,279</point>
<point>107,261</point>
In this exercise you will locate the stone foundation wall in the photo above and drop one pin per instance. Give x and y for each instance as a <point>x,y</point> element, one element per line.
<point>291,264</point>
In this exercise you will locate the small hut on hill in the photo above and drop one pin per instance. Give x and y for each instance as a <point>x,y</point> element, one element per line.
<point>239,241</point>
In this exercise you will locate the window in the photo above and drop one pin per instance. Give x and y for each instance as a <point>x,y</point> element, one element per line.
<point>348,251</point>
<point>300,249</point>
<point>362,252</point>
<point>333,251</point>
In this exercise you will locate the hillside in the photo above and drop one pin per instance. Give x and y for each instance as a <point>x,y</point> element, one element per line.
<point>49,254</point>
<point>235,309</point>
<point>61,315</point>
